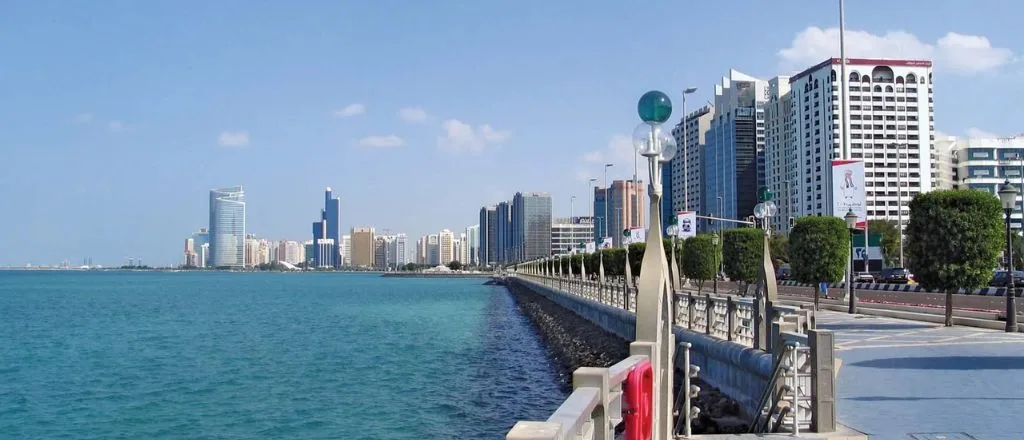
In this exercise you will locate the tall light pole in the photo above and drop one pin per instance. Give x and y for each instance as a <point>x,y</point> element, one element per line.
<point>590,188</point>
<point>899,196</point>
<point>604,232</point>
<point>851,224</point>
<point>686,154</point>
<point>654,337</point>
<point>1008,197</point>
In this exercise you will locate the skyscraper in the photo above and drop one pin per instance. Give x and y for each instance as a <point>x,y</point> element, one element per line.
<point>362,247</point>
<point>446,241</point>
<point>473,245</point>
<point>227,227</point>
<point>686,165</point>
<point>329,227</point>
<point>488,235</point>
<point>503,233</point>
<point>625,207</point>
<point>531,226</point>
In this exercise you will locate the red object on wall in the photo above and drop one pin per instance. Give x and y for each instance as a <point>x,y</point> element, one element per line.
<point>638,393</point>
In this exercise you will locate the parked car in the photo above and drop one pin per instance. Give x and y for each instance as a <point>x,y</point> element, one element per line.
<point>895,275</point>
<point>999,279</point>
<point>783,273</point>
<point>864,277</point>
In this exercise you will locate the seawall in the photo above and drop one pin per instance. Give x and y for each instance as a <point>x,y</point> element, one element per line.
<point>579,332</point>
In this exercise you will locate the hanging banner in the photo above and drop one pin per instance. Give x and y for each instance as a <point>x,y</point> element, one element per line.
<point>848,190</point>
<point>607,243</point>
<point>591,247</point>
<point>687,223</point>
<point>637,235</point>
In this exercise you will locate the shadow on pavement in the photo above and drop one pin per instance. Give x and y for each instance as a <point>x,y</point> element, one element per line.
<point>873,326</point>
<point>946,363</point>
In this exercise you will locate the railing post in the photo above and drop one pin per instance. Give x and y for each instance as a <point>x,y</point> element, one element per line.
<point>691,311</point>
<point>730,317</point>
<point>709,313</point>
<point>596,378</point>
<point>823,384</point>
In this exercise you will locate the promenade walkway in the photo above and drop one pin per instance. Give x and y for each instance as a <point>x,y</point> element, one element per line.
<point>906,379</point>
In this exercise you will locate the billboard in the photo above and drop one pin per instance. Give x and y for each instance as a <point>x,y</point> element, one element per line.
<point>848,190</point>
<point>687,223</point>
<point>606,243</point>
<point>636,235</point>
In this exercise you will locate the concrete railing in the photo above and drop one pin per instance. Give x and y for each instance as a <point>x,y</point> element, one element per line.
<point>734,356</point>
<point>592,411</point>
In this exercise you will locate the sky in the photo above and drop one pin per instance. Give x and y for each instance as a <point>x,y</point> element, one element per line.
<point>117,116</point>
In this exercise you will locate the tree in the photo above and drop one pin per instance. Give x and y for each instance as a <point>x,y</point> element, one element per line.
<point>636,257</point>
<point>779,246</point>
<point>890,233</point>
<point>818,250</point>
<point>954,239</point>
<point>614,261</point>
<point>700,259</point>
<point>455,265</point>
<point>742,254</point>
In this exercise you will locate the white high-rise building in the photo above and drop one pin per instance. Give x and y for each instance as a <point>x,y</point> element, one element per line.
<point>780,151</point>
<point>290,252</point>
<point>686,165</point>
<point>473,239</point>
<point>399,254</point>
<point>446,245</point>
<point>891,130</point>
<point>568,233</point>
<point>434,250</point>
<point>346,250</point>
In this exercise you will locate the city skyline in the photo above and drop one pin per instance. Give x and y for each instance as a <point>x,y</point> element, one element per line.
<point>298,121</point>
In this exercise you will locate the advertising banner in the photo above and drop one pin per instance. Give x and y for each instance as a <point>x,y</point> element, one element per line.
<point>606,243</point>
<point>591,247</point>
<point>637,235</point>
<point>687,222</point>
<point>848,189</point>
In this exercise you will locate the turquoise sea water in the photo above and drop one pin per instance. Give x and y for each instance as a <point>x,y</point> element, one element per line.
<point>89,355</point>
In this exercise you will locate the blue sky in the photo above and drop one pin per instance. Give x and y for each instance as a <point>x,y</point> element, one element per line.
<point>116,117</point>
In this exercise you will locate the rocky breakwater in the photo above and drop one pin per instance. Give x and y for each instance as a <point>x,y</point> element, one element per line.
<point>574,342</point>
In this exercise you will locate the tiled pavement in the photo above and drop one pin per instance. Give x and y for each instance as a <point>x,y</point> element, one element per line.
<point>911,380</point>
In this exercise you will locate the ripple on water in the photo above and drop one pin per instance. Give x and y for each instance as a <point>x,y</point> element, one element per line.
<point>232,356</point>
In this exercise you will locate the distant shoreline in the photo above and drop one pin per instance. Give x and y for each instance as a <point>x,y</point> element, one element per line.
<point>436,275</point>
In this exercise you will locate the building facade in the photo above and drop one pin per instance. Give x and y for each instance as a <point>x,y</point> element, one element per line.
<point>780,151</point>
<point>488,236</point>
<point>531,226</point>
<point>446,242</point>
<point>567,233</point>
<point>434,249</point>
<point>626,208</point>
<point>734,148</point>
<point>685,177</point>
<point>363,247</point>
<point>985,163</point>
<point>891,131</point>
<point>473,244</point>
<point>227,227</point>
<point>503,233</point>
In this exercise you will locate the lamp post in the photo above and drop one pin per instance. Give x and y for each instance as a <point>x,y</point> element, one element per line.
<point>851,224</point>
<point>686,154</point>
<point>1008,197</point>
<point>654,336</point>
<point>604,230</point>
<point>714,242</point>
<point>673,231</point>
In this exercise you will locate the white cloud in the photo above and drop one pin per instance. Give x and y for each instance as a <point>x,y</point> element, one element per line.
<point>979,133</point>
<point>388,141</point>
<point>963,54</point>
<point>83,118</point>
<point>462,137</point>
<point>413,115</point>
<point>233,138</point>
<point>619,152</point>
<point>116,127</point>
<point>350,110</point>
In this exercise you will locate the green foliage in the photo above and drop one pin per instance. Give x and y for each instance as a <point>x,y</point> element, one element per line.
<point>818,249</point>
<point>614,262</point>
<point>636,257</point>
<point>700,259</point>
<point>954,238</point>
<point>779,246</point>
<point>742,253</point>
<point>1018,251</point>
<point>890,233</point>
<point>455,265</point>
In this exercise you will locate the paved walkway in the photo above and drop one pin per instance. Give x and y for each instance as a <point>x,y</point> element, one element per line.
<point>911,380</point>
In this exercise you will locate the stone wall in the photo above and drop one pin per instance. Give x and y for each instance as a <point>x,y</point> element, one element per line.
<point>739,372</point>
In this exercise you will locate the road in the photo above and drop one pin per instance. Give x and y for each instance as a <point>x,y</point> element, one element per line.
<point>923,299</point>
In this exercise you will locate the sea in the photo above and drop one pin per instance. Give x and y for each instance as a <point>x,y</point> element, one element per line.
<point>217,355</point>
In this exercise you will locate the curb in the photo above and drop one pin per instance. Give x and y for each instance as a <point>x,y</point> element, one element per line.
<point>984,291</point>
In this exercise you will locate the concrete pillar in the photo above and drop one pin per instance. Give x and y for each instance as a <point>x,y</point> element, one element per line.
<point>823,384</point>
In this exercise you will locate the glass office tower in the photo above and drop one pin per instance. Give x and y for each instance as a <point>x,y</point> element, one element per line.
<point>227,227</point>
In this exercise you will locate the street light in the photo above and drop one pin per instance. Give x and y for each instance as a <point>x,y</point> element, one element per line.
<point>714,242</point>
<point>673,231</point>
<point>654,337</point>
<point>851,224</point>
<point>604,230</point>
<point>1008,197</point>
